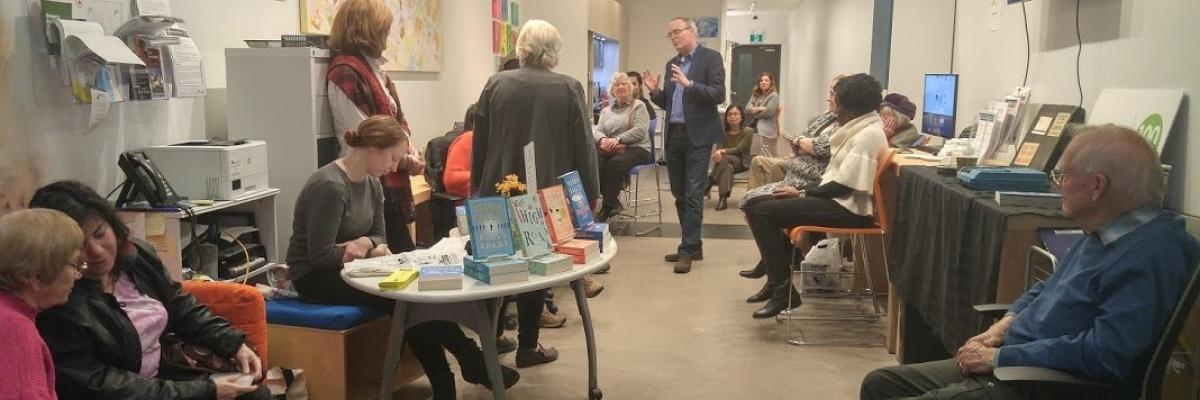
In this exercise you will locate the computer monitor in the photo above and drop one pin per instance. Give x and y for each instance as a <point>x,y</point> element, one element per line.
<point>941,101</point>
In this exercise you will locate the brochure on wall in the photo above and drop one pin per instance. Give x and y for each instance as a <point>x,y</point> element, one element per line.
<point>185,69</point>
<point>59,29</point>
<point>151,7</point>
<point>92,65</point>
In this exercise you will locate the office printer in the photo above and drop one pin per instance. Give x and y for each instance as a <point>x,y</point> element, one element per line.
<point>214,170</point>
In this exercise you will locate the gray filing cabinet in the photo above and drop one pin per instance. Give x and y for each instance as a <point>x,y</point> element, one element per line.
<point>278,95</point>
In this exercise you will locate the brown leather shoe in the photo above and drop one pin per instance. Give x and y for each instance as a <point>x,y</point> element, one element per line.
<point>591,287</point>
<point>675,258</point>
<point>684,264</point>
<point>550,320</point>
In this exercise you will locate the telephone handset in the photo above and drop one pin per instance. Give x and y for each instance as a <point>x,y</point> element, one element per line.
<point>143,180</point>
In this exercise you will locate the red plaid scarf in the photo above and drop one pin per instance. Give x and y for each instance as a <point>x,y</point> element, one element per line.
<point>357,80</point>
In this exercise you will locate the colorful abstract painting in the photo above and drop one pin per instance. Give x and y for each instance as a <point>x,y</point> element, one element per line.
<point>415,43</point>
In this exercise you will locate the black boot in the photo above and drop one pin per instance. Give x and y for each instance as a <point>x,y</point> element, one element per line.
<point>758,271</point>
<point>474,370</point>
<point>762,295</point>
<point>723,202</point>
<point>778,302</point>
<point>443,387</point>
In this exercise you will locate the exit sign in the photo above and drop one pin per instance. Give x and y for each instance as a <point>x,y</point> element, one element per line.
<point>756,38</point>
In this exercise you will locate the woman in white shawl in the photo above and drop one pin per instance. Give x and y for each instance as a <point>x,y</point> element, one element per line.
<point>841,199</point>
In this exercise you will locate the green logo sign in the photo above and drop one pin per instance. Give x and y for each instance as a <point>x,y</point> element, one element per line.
<point>1152,130</point>
<point>756,38</point>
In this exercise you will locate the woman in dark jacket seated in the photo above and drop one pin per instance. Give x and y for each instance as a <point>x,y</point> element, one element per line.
<point>107,341</point>
<point>842,198</point>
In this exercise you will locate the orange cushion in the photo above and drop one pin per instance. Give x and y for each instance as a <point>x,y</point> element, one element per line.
<point>242,305</point>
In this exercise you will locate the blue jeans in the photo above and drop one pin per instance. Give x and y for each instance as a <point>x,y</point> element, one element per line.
<point>687,167</point>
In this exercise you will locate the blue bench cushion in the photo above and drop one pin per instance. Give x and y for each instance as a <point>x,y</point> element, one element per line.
<point>294,312</point>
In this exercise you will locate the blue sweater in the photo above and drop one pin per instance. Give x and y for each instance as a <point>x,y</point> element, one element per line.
<point>1108,301</point>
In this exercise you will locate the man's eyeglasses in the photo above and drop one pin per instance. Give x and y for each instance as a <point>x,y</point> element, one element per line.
<point>1057,175</point>
<point>80,267</point>
<point>676,32</point>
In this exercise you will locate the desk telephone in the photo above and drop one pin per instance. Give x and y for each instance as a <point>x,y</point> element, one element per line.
<point>143,181</point>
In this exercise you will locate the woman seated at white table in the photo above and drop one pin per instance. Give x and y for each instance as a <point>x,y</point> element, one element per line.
<point>339,218</point>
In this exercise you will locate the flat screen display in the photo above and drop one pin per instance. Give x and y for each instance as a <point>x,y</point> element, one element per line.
<point>940,105</point>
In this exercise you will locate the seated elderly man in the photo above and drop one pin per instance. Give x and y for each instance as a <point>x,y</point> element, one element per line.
<point>1105,305</point>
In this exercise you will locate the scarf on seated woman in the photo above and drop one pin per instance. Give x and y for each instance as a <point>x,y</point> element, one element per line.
<point>855,149</point>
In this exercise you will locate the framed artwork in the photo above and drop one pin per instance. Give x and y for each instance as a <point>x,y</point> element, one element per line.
<point>495,9</point>
<point>514,14</point>
<point>708,27</point>
<point>415,42</point>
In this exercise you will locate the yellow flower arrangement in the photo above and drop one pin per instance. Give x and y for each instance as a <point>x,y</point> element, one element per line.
<point>510,184</point>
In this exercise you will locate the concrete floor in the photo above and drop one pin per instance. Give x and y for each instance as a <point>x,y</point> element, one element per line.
<point>663,335</point>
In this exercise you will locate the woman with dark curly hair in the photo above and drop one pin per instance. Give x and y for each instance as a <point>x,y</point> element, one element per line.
<point>107,340</point>
<point>841,199</point>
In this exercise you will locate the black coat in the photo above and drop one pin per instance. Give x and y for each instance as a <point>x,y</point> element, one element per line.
<point>97,352</point>
<point>538,105</point>
<point>700,100</point>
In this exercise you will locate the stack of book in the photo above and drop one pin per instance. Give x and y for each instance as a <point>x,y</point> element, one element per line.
<point>492,248</point>
<point>496,270</point>
<point>533,238</point>
<point>440,277</point>
<point>597,231</point>
<point>582,251</point>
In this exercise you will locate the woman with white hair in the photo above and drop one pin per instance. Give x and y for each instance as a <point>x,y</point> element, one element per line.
<point>533,105</point>
<point>622,139</point>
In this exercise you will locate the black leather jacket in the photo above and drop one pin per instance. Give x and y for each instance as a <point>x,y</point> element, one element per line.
<point>96,350</point>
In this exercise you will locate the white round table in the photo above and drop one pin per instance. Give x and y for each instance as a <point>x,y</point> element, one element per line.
<point>486,299</point>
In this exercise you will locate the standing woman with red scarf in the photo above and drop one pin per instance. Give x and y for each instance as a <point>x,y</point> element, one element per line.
<point>358,89</point>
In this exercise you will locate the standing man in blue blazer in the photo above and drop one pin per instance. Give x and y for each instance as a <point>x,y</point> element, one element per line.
<point>690,98</point>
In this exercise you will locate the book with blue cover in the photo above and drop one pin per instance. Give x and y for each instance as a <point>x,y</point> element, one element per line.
<point>581,211</point>
<point>597,231</point>
<point>497,269</point>
<point>440,277</point>
<point>532,236</point>
<point>490,230</point>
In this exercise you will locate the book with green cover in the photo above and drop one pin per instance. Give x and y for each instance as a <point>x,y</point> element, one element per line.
<point>532,236</point>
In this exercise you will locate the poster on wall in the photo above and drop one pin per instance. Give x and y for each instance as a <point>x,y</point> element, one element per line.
<point>415,42</point>
<point>1149,111</point>
<point>708,27</point>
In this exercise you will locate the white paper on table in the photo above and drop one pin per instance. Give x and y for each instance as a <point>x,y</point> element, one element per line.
<point>531,167</point>
<point>100,107</point>
<point>186,68</point>
<point>152,7</point>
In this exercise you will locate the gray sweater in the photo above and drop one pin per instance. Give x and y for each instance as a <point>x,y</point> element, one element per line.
<point>330,210</point>
<point>630,124</point>
<point>764,121</point>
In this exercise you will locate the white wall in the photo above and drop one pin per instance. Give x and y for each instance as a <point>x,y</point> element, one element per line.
<point>826,39</point>
<point>571,19</point>
<point>646,23</point>
<point>772,24</point>
<point>607,17</point>
<point>43,136</point>
<point>1127,44</point>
